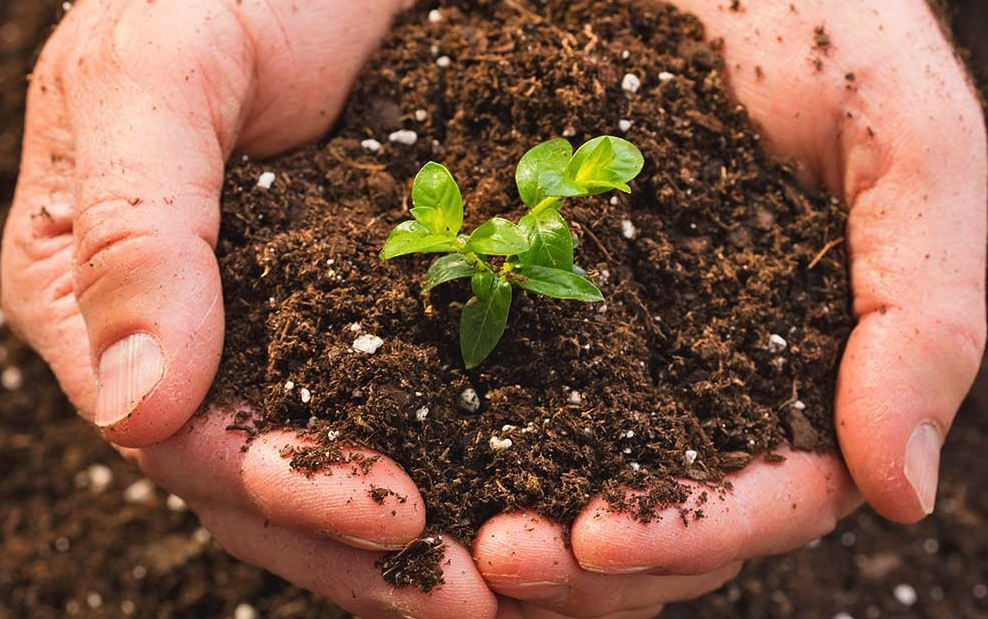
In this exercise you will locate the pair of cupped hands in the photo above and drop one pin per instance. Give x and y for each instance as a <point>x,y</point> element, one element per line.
<point>108,271</point>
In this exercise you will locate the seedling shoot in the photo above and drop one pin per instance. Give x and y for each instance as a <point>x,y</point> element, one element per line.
<point>537,251</point>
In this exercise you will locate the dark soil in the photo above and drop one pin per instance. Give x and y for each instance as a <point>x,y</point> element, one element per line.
<point>727,251</point>
<point>68,551</point>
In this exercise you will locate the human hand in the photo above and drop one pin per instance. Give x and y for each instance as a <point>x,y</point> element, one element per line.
<point>108,267</point>
<point>903,144</point>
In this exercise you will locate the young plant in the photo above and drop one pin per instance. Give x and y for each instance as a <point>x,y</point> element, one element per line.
<point>537,251</point>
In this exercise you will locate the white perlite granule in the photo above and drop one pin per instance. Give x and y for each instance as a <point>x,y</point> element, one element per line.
<point>141,491</point>
<point>371,144</point>
<point>498,444</point>
<point>404,136</point>
<point>367,344</point>
<point>469,400</point>
<point>631,82</point>
<point>776,343</point>
<point>266,180</point>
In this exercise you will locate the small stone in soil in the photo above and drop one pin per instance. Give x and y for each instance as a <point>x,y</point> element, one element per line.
<point>12,378</point>
<point>776,343</point>
<point>469,400</point>
<point>266,180</point>
<point>404,136</point>
<point>94,600</point>
<point>631,82</point>
<point>100,477</point>
<point>176,503</point>
<point>141,491</point>
<point>905,594</point>
<point>367,344</point>
<point>201,536</point>
<point>245,611</point>
<point>372,145</point>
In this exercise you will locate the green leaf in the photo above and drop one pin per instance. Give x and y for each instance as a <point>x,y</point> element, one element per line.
<point>549,239</point>
<point>447,268</point>
<point>545,162</point>
<point>605,163</point>
<point>497,237</point>
<point>411,237</point>
<point>484,317</point>
<point>435,188</point>
<point>557,283</point>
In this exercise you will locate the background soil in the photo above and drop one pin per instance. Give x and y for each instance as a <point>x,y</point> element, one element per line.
<point>69,548</point>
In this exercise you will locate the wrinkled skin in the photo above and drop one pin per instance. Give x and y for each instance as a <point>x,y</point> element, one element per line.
<point>135,106</point>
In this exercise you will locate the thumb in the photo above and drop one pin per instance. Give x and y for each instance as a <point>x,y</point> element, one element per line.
<point>150,140</point>
<point>146,279</point>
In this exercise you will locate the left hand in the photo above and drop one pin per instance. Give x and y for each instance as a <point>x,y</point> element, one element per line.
<point>905,149</point>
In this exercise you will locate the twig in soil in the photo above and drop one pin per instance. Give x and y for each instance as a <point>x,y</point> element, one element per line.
<point>823,252</point>
<point>370,167</point>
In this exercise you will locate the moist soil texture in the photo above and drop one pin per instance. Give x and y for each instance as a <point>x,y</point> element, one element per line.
<point>726,296</point>
<point>74,547</point>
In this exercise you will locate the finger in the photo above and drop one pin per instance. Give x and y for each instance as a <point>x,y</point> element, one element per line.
<point>256,477</point>
<point>348,576</point>
<point>37,291</point>
<point>512,609</point>
<point>770,509</point>
<point>917,225</point>
<point>524,556</point>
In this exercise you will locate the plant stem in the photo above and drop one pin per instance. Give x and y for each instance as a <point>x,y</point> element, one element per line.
<point>544,204</point>
<point>477,263</point>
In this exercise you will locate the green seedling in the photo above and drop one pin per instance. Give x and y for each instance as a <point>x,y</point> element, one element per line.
<point>536,254</point>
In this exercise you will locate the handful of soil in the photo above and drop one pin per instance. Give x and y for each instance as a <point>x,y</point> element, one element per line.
<point>726,294</point>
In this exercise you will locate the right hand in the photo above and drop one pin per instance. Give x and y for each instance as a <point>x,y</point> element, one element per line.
<point>108,268</point>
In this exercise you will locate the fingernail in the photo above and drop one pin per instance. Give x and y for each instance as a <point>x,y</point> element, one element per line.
<point>630,569</point>
<point>128,371</point>
<point>922,465</point>
<point>543,592</point>
<point>363,544</point>
<point>400,614</point>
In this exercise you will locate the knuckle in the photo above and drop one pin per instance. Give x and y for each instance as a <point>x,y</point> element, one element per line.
<point>109,241</point>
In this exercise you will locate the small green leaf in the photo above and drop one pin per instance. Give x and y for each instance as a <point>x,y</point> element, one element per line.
<point>429,217</point>
<point>411,237</point>
<point>435,188</point>
<point>484,318</point>
<point>605,163</point>
<point>557,283</point>
<point>497,237</point>
<point>546,158</point>
<point>549,239</point>
<point>447,268</point>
